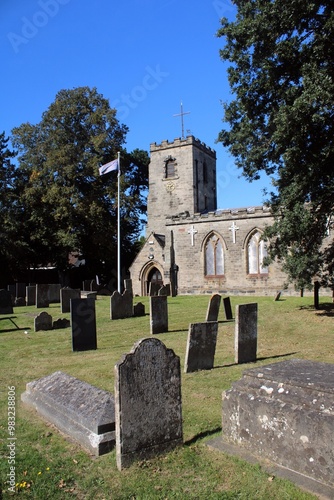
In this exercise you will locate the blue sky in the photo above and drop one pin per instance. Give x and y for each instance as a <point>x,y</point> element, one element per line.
<point>145,56</point>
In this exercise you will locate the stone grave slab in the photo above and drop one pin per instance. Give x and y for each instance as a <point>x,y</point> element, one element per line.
<point>201,346</point>
<point>66,295</point>
<point>6,305</point>
<point>54,293</point>
<point>31,295</point>
<point>78,409</point>
<point>283,412</point>
<point>121,306</point>
<point>213,308</point>
<point>139,309</point>
<point>245,340</point>
<point>61,323</point>
<point>148,405</point>
<point>158,314</point>
<point>227,308</point>
<point>128,286</point>
<point>42,295</point>
<point>83,324</point>
<point>43,321</point>
<point>20,290</point>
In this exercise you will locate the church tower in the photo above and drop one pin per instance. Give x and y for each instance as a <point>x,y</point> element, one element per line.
<point>182,180</point>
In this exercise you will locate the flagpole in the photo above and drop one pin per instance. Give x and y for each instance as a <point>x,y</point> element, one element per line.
<point>118,225</point>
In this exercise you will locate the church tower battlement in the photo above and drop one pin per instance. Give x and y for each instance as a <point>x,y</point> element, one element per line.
<point>182,179</point>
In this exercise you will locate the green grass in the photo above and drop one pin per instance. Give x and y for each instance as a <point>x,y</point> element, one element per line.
<point>50,466</point>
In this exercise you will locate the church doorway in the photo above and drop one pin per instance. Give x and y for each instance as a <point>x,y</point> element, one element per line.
<point>154,279</point>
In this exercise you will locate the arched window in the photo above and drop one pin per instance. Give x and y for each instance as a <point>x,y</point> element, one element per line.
<point>257,251</point>
<point>214,256</point>
<point>170,167</point>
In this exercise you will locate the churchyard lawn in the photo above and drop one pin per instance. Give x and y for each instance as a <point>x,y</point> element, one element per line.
<point>45,464</point>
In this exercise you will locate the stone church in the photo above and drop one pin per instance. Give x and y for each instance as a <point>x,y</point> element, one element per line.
<point>191,246</point>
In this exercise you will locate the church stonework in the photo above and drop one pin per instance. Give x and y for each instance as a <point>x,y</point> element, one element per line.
<point>191,245</point>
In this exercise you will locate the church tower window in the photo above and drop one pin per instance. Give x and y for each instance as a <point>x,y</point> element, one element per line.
<point>170,167</point>
<point>214,256</point>
<point>257,251</point>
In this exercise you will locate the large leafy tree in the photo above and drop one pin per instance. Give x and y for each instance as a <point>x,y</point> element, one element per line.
<point>63,202</point>
<point>281,122</point>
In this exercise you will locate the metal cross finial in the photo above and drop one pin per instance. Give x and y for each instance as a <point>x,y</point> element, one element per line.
<point>182,114</point>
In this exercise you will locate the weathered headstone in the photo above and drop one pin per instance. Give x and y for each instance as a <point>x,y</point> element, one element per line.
<point>277,296</point>
<point>80,410</point>
<point>121,306</point>
<point>31,295</point>
<point>20,290</point>
<point>83,323</point>
<point>153,289</point>
<point>158,314</point>
<point>139,309</point>
<point>162,290</point>
<point>245,341</point>
<point>227,308</point>
<point>283,412</point>
<point>61,323</point>
<point>42,295</point>
<point>54,293</point>
<point>128,286</point>
<point>212,312</point>
<point>201,346</point>
<point>148,405</point>
<point>66,295</point>
<point>43,322</point>
<point>6,305</point>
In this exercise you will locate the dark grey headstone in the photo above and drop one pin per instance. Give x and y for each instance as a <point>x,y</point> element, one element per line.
<point>66,295</point>
<point>83,323</point>
<point>201,346</point>
<point>121,306</point>
<point>6,305</point>
<point>81,411</point>
<point>245,333</point>
<point>283,412</point>
<point>61,323</point>
<point>128,286</point>
<point>158,314</point>
<point>42,295</point>
<point>213,308</point>
<point>227,308</point>
<point>139,309</point>
<point>54,293</point>
<point>43,321</point>
<point>148,402</point>
<point>153,289</point>
<point>162,290</point>
<point>20,290</point>
<point>31,295</point>
<point>88,295</point>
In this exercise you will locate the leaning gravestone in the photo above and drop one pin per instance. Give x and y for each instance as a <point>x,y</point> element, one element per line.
<point>43,322</point>
<point>245,341</point>
<point>201,346</point>
<point>42,295</point>
<point>6,306</point>
<point>158,314</point>
<point>81,411</point>
<point>213,308</point>
<point>83,323</point>
<point>227,308</point>
<point>283,412</point>
<point>148,405</point>
<point>66,295</point>
<point>121,306</point>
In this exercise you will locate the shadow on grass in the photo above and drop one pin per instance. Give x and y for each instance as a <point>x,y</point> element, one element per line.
<point>202,435</point>
<point>258,359</point>
<point>325,309</point>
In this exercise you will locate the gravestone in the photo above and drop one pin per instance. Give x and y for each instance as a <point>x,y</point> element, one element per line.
<point>128,286</point>
<point>6,305</point>
<point>19,302</point>
<point>162,290</point>
<point>31,295</point>
<point>245,340</point>
<point>20,290</point>
<point>42,295</point>
<point>212,312</point>
<point>12,290</point>
<point>83,323</point>
<point>79,410</point>
<point>139,309</point>
<point>277,296</point>
<point>54,293</point>
<point>201,346</point>
<point>88,294</point>
<point>61,323</point>
<point>153,289</point>
<point>66,295</point>
<point>43,322</point>
<point>158,314</point>
<point>121,306</point>
<point>283,412</point>
<point>227,308</point>
<point>148,406</point>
